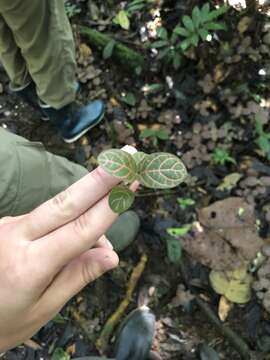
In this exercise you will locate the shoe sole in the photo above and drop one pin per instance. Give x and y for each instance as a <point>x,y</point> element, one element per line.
<point>75,138</point>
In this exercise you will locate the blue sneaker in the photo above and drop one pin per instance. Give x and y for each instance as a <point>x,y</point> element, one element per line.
<point>73,121</point>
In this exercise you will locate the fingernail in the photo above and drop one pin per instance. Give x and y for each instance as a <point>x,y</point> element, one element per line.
<point>109,244</point>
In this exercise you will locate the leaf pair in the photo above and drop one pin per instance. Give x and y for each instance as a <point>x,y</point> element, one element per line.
<point>156,171</point>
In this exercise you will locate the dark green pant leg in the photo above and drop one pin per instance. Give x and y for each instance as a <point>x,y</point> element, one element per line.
<point>30,175</point>
<point>11,57</point>
<point>42,32</point>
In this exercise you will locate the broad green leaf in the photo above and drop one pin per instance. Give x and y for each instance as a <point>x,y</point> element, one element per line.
<point>203,33</point>
<point>158,44</point>
<point>180,231</point>
<point>194,40</point>
<point>215,26</point>
<point>205,12</point>
<point>216,13</point>
<point>108,50</point>
<point>146,133</point>
<point>129,99</point>
<point>196,16</point>
<point>118,163</point>
<point>229,182</point>
<point>162,171</point>
<point>121,199</point>
<point>162,33</point>
<point>179,30</point>
<point>174,250</point>
<point>184,45</point>
<point>123,20</point>
<point>162,134</point>
<point>60,354</point>
<point>187,21</point>
<point>138,157</point>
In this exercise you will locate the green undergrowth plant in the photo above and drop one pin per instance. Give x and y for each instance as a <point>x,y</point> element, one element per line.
<point>263,138</point>
<point>154,135</point>
<point>72,9</point>
<point>188,33</point>
<point>221,156</point>
<point>122,18</point>
<point>155,171</point>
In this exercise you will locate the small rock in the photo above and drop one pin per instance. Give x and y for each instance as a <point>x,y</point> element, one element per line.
<point>266,250</point>
<point>266,38</point>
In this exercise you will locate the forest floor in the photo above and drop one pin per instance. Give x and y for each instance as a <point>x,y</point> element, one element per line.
<point>214,113</point>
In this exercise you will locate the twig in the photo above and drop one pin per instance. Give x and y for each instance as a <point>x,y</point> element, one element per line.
<point>238,343</point>
<point>103,340</point>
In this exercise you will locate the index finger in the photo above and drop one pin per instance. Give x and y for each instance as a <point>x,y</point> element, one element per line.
<point>69,204</point>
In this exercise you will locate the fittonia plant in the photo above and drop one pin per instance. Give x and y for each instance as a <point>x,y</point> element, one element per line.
<point>155,171</point>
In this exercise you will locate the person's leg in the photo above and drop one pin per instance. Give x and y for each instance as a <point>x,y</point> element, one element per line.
<point>11,57</point>
<point>42,32</point>
<point>29,175</point>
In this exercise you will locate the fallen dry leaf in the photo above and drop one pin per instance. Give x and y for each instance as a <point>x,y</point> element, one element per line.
<point>228,237</point>
<point>224,307</point>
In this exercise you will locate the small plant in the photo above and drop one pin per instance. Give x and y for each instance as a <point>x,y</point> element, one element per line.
<point>185,202</point>
<point>154,135</point>
<point>263,139</point>
<point>198,25</point>
<point>71,9</point>
<point>156,171</point>
<point>123,16</point>
<point>188,33</point>
<point>221,156</point>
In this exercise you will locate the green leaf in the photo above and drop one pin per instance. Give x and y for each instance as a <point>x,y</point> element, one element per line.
<point>216,13</point>
<point>162,33</point>
<point>129,99</point>
<point>122,19</point>
<point>108,50</point>
<point>162,134</point>
<point>180,231</point>
<point>162,171</point>
<point>184,45</point>
<point>205,12</point>
<point>163,53</point>
<point>158,44</point>
<point>138,158</point>
<point>118,163</point>
<point>179,30</point>
<point>203,34</point>
<point>185,202</point>
<point>121,199</point>
<point>59,319</point>
<point>215,26</point>
<point>187,21</point>
<point>146,133</point>
<point>194,40</point>
<point>174,250</point>
<point>60,354</point>
<point>196,16</point>
<point>177,61</point>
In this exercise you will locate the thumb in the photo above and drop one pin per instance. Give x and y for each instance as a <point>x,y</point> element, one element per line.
<point>77,274</point>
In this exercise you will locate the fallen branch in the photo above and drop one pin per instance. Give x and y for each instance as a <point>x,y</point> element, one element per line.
<point>129,58</point>
<point>103,340</point>
<point>237,342</point>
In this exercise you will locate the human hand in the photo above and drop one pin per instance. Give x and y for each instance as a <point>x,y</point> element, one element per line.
<point>47,256</point>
